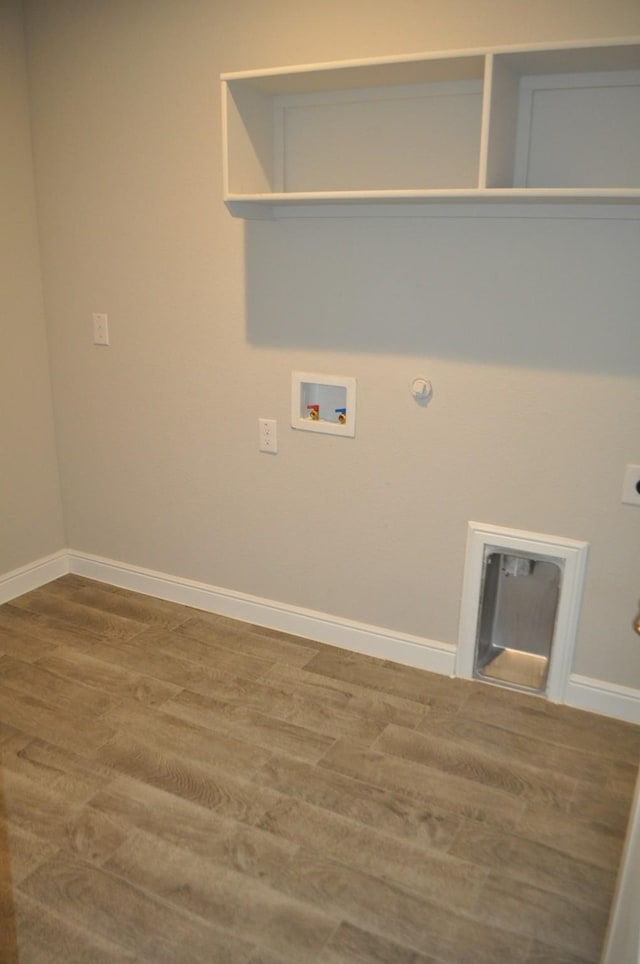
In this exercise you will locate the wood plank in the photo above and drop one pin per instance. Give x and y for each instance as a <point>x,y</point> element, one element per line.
<point>389,811</point>
<point>541,953</point>
<point>214,655</point>
<point>106,905</point>
<point>601,805</point>
<point>224,626</point>
<point>392,912</point>
<point>506,745</point>
<point>223,840</point>
<point>205,783</point>
<point>21,645</point>
<point>99,674</point>
<point>149,654</point>
<point>270,732</point>
<point>8,931</point>
<point>351,945</point>
<point>41,627</point>
<point>380,675</point>
<point>563,923</point>
<point>109,625</point>
<point>9,735</point>
<point>587,840</point>
<point>67,729</point>
<point>534,863</point>
<point>46,938</point>
<point>622,778</point>
<point>73,776</point>
<point>449,756</point>
<point>426,785</point>
<point>26,851</point>
<point>122,603</point>
<point>46,814</point>
<point>264,955</point>
<point>351,696</point>
<point>34,808</point>
<point>293,703</point>
<point>282,650</point>
<point>31,680</point>
<point>428,872</point>
<point>235,902</point>
<point>165,731</point>
<point>556,724</point>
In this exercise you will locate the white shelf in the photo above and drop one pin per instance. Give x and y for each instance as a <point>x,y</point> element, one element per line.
<point>520,125</point>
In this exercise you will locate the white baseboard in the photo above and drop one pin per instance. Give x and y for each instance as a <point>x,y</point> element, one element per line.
<point>597,696</point>
<point>609,699</point>
<point>36,574</point>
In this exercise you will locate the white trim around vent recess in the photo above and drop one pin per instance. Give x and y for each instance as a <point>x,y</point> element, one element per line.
<point>574,556</point>
<point>598,696</point>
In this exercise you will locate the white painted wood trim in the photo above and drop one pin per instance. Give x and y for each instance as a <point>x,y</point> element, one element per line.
<point>456,54</point>
<point>521,195</point>
<point>383,643</point>
<point>331,66</point>
<point>574,555</point>
<point>33,575</point>
<point>226,188</point>
<point>279,154</point>
<point>608,699</point>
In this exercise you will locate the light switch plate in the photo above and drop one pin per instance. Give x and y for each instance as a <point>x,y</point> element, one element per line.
<point>100,328</point>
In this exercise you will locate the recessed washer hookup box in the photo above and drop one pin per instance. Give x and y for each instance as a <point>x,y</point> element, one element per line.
<point>323,403</point>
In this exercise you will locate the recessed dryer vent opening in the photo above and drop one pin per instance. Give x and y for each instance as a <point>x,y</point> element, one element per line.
<point>520,609</point>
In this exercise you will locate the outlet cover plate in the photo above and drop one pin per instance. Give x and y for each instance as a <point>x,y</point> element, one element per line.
<point>268,435</point>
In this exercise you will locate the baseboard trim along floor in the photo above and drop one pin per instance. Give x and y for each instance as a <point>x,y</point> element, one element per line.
<point>33,575</point>
<point>597,696</point>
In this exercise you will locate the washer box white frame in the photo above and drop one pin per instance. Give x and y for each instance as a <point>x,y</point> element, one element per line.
<point>323,390</point>
<point>573,555</point>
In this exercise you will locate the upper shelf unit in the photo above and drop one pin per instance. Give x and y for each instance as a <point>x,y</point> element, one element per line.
<point>553,123</point>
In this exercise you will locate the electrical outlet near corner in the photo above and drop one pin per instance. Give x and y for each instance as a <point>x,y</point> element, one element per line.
<point>268,435</point>
<point>631,485</point>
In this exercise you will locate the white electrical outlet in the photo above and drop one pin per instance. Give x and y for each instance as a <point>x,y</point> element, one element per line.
<point>100,328</point>
<point>631,485</point>
<point>268,435</point>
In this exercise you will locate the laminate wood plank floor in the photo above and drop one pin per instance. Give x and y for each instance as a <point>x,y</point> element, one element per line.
<point>181,787</point>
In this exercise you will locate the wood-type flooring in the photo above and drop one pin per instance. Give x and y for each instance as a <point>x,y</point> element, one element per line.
<point>180,787</point>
